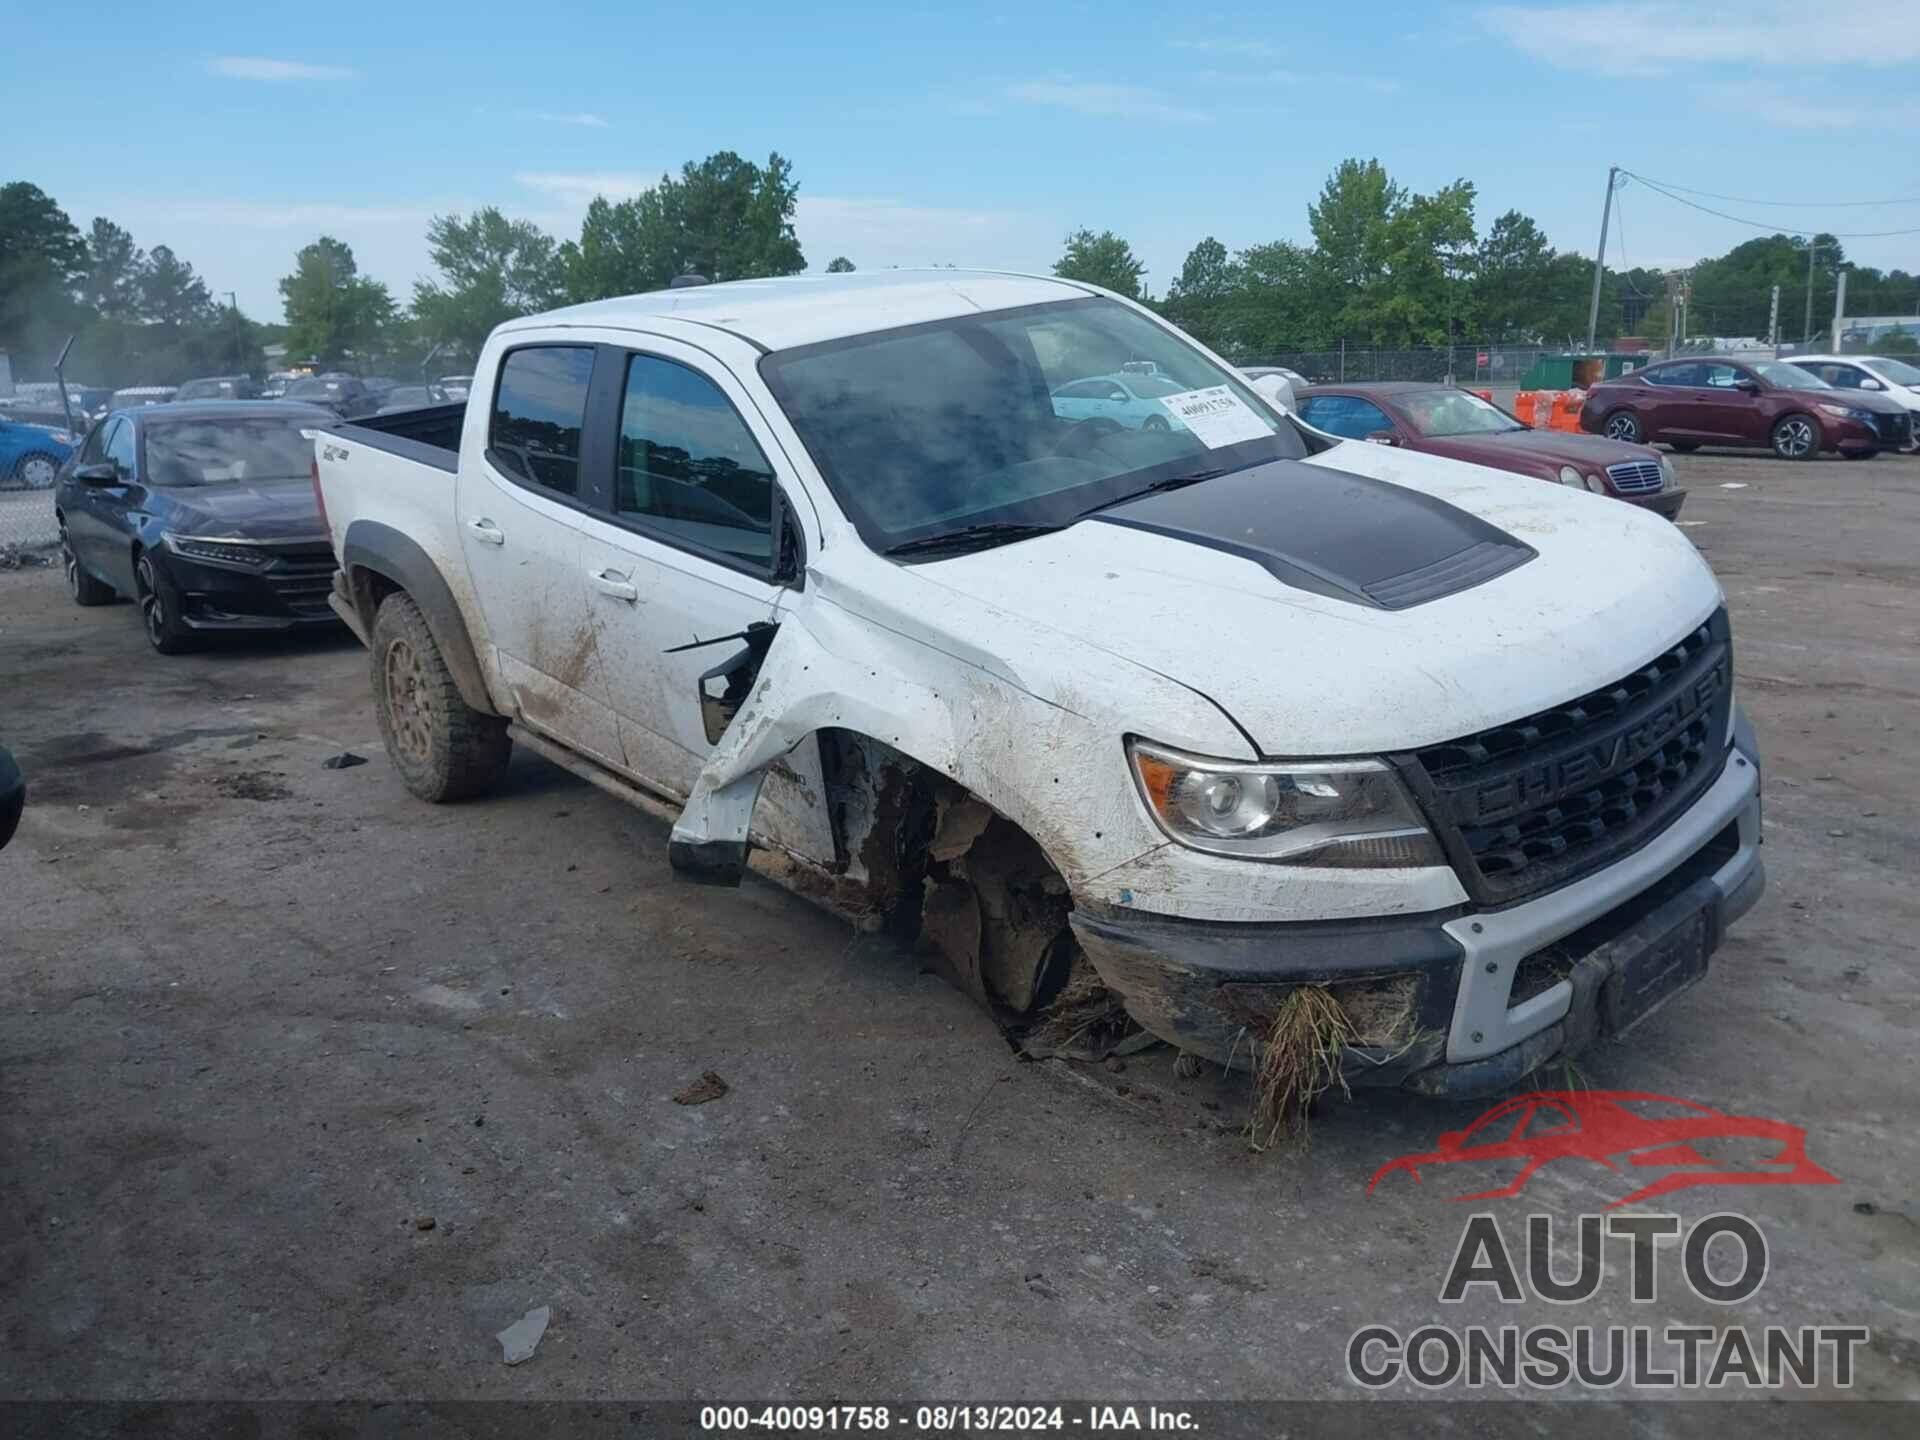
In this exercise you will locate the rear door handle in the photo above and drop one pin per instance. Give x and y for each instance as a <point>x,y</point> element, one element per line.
<point>612,582</point>
<point>486,532</point>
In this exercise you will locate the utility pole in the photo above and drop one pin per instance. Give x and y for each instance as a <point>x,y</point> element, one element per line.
<point>1773,323</point>
<point>239,345</point>
<point>1839,308</point>
<point>1600,256</point>
<point>1806,333</point>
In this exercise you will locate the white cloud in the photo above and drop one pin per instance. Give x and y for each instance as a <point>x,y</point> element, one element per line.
<point>1807,110</point>
<point>576,189</point>
<point>877,233</point>
<point>1102,101</point>
<point>1632,37</point>
<point>254,67</point>
<point>579,117</point>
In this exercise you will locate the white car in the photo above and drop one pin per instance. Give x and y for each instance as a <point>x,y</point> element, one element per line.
<point>1897,379</point>
<point>1277,383</point>
<point>1200,714</point>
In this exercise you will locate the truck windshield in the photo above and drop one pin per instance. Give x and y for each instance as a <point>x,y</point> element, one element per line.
<point>990,427</point>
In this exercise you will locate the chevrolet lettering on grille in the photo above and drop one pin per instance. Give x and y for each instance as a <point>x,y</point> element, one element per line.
<point>1547,780</point>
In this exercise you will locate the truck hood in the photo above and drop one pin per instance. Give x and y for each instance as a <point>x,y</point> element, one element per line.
<point>1446,599</point>
<point>241,510</point>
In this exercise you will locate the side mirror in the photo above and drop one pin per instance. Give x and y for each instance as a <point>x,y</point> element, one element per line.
<point>1747,387</point>
<point>1382,437</point>
<point>1871,384</point>
<point>100,472</point>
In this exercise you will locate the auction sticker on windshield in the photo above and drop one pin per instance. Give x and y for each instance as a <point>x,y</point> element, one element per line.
<point>1216,416</point>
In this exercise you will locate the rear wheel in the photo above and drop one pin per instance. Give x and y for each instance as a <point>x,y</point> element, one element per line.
<point>443,748</point>
<point>83,587</point>
<point>1796,437</point>
<point>1155,423</point>
<point>160,609</point>
<point>1623,425</point>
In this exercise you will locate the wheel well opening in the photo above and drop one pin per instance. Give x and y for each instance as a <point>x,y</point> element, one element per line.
<point>951,876</point>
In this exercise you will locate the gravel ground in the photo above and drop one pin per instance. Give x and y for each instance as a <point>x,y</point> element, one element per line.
<point>307,1089</point>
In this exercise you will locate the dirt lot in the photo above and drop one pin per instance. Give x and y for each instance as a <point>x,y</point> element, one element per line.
<point>260,1021</point>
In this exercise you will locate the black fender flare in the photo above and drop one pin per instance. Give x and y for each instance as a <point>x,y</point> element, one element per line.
<point>383,550</point>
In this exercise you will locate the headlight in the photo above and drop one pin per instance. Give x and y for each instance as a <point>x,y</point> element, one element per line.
<point>1667,478</point>
<point>1350,813</point>
<point>1596,485</point>
<point>1845,412</point>
<point>1569,476</point>
<point>213,552</point>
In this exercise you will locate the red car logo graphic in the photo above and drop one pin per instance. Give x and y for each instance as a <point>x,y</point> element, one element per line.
<point>1618,1128</point>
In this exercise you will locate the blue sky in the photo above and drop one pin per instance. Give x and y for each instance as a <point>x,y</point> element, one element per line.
<point>966,135</point>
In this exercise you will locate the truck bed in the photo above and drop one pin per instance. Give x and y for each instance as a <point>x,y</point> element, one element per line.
<point>430,435</point>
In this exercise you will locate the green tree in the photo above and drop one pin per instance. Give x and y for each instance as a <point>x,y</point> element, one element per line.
<point>111,282</point>
<point>839,265</point>
<point>491,269</point>
<point>1513,280</point>
<point>333,311</point>
<point>1282,303</point>
<point>41,262</point>
<point>1349,222</point>
<point>725,218</point>
<point>1201,298</point>
<point>1425,296</point>
<point>1103,259</point>
<point>170,293</point>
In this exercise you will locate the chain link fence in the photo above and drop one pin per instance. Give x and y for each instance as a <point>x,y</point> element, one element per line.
<point>1502,365</point>
<point>26,522</point>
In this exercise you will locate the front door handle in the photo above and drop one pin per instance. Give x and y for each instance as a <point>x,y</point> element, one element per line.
<point>612,582</point>
<point>486,532</point>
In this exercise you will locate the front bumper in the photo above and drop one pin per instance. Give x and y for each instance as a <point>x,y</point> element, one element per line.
<point>286,591</point>
<point>1472,999</point>
<point>1662,502</point>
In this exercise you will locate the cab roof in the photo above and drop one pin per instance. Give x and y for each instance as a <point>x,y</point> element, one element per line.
<point>805,309</point>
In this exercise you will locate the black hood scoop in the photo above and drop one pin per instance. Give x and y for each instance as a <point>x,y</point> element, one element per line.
<point>1330,533</point>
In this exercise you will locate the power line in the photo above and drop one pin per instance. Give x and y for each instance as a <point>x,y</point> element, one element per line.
<point>1764,225</point>
<point>1783,204</point>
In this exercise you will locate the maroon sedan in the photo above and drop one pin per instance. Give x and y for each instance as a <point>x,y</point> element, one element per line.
<point>1758,403</point>
<point>1439,420</point>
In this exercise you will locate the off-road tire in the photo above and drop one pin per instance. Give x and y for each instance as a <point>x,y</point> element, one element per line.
<point>1683,447</point>
<point>160,608</point>
<point>84,589</point>
<point>443,748</point>
<point>1796,437</point>
<point>1625,426</point>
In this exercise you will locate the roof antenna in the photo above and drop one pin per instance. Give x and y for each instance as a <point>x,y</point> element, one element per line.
<point>687,281</point>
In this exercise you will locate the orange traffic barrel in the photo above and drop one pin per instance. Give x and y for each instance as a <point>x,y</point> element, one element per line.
<point>1523,406</point>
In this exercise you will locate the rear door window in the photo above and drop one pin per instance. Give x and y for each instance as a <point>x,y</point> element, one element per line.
<point>539,410</point>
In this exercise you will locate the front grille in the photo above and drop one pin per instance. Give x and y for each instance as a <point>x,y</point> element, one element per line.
<point>301,576</point>
<point>1539,802</point>
<point>1636,477</point>
<point>1895,431</point>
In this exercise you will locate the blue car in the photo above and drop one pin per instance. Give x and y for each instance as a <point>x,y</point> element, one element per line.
<point>31,455</point>
<point>1128,398</point>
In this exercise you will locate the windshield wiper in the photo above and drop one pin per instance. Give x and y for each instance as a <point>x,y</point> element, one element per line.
<point>971,537</point>
<point>1172,482</point>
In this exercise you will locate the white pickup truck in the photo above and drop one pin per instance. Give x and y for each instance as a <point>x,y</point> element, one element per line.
<point>881,583</point>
